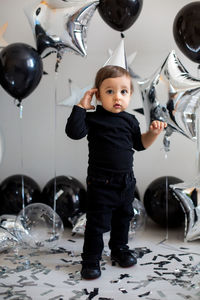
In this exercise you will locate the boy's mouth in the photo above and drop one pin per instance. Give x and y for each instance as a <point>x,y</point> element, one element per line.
<point>117,106</point>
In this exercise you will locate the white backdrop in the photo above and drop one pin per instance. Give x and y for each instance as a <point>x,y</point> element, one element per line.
<point>46,150</point>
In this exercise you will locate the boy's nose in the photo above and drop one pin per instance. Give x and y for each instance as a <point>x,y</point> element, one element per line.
<point>117,96</point>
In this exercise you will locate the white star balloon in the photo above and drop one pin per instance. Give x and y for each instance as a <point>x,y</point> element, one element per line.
<point>117,57</point>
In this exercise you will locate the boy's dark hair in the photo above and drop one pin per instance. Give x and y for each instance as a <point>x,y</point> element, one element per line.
<point>111,72</point>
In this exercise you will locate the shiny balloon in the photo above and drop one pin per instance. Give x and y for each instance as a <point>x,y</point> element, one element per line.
<point>21,70</point>
<point>11,193</point>
<point>7,240</point>
<point>188,195</point>
<point>186,30</point>
<point>161,203</point>
<point>138,221</point>
<point>38,226</point>
<point>70,197</point>
<point>60,27</point>
<point>172,95</point>
<point>120,14</point>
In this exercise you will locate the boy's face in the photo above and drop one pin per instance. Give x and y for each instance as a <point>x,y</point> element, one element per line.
<point>115,94</point>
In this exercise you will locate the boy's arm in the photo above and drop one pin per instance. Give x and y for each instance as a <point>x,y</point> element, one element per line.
<point>150,136</point>
<point>76,127</point>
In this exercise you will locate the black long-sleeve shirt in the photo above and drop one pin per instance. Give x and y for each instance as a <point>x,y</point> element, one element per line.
<point>112,137</point>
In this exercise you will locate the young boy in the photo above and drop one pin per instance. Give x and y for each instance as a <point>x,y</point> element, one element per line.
<point>112,135</point>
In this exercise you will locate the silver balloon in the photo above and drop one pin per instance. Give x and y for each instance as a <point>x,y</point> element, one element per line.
<point>38,226</point>
<point>79,226</point>
<point>138,221</point>
<point>61,26</point>
<point>188,194</point>
<point>7,240</point>
<point>8,222</point>
<point>172,95</point>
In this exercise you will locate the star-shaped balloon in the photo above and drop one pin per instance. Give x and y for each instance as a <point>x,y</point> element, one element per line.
<point>3,42</point>
<point>171,95</point>
<point>188,193</point>
<point>76,93</point>
<point>61,27</point>
<point>117,57</point>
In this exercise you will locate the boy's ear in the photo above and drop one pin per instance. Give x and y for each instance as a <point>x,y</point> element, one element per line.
<point>97,95</point>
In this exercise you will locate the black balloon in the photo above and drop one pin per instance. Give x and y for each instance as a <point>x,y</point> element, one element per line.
<point>159,198</point>
<point>186,30</point>
<point>70,197</point>
<point>11,193</point>
<point>21,69</point>
<point>120,14</point>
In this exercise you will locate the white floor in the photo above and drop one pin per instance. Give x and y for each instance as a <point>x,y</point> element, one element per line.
<point>167,270</point>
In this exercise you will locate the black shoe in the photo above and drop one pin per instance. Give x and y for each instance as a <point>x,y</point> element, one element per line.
<point>90,269</point>
<point>124,257</point>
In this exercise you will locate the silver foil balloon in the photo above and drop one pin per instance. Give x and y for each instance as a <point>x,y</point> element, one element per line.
<point>171,95</point>
<point>7,240</point>
<point>79,225</point>
<point>188,193</point>
<point>62,26</point>
<point>138,221</point>
<point>38,226</point>
<point>8,222</point>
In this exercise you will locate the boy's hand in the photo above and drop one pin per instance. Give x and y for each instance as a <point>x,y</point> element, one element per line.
<point>85,102</point>
<point>157,127</point>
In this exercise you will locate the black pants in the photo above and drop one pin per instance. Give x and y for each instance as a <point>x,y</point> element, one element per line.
<point>109,208</point>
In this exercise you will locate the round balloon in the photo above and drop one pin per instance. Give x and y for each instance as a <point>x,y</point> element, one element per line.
<point>186,30</point>
<point>21,69</point>
<point>70,197</point>
<point>120,14</point>
<point>161,202</point>
<point>38,226</point>
<point>11,193</point>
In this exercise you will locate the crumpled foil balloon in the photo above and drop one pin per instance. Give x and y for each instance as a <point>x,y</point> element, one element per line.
<point>171,95</point>
<point>188,193</point>
<point>38,226</point>
<point>79,224</point>
<point>7,240</point>
<point>60,27</point>
<point>8,222</point>
<point>138,221</point>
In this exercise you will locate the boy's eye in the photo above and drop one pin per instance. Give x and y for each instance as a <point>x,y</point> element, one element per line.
<point>109,92</point>
<point>124,92</point>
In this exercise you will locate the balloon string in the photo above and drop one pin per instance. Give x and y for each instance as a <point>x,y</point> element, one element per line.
<point>55,126</point>
<point>198,132</point>
<point>167,207</point>
<point>21,151</point>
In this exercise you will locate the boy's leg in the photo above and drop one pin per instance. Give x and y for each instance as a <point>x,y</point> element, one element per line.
<point>120,225</point>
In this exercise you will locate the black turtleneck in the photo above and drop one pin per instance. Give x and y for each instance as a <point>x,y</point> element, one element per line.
<point>111,137</point>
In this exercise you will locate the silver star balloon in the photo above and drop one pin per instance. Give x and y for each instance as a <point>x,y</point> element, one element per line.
<point>61,27</point>
<point>171,95</point>
<point>188,193</point>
